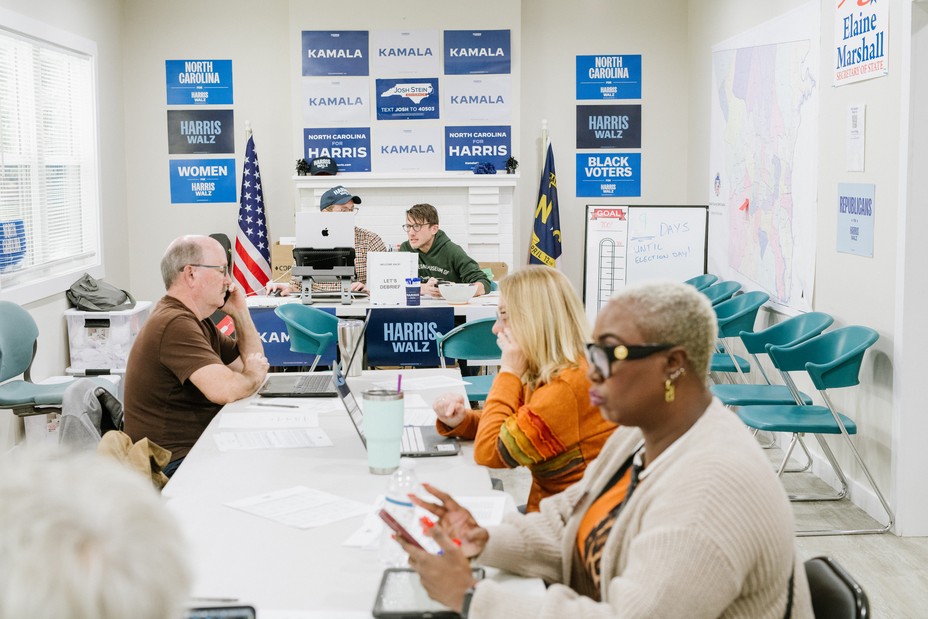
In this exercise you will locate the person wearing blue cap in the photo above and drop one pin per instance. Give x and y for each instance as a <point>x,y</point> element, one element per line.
<point>340,200</point>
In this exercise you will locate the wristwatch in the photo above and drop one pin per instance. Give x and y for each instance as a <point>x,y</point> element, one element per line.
<point>465,606</point>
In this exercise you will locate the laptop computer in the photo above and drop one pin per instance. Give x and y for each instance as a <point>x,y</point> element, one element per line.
<point>321,230</point>
<point>418,441</point>
<point>315,385</point>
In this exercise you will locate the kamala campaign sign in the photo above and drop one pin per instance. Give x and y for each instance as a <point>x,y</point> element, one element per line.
<point>331,52</point>
<point>344,100</point>
<point>608,126</point>
<point>406,335</point>
<point>604,175</point>
<point>469,52</point>
<point>350,147</point>
<point>407,149</point>
<point>194,132</point>
<point>609,77</point>
<point>202,180</point>
<point>403,99</point>
<point>483,99</point>
<point>198,82</point>
<point>398,53</point>
<point>465,147</point>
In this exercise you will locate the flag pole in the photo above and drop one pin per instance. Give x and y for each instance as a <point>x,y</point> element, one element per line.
<point>247,130</point>
<point>544,139</point>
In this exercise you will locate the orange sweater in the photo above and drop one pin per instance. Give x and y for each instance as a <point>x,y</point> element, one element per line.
<point>554,431</point>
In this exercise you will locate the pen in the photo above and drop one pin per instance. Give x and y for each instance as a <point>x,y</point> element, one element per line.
<point>211,599</point>
<point>399,383</point>
<point>275,405</point>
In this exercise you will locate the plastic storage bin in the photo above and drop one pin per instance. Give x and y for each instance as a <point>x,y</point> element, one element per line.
<point>102,340</point>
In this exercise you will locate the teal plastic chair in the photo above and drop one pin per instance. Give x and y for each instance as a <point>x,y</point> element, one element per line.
<point>736,315</point>
<point>311,330</point>
<point>790,332</point>
<point>721,291</point>
<point>832,360</point>
<point>471,341</point>
<point>702,281</point>
<point>19,337</point>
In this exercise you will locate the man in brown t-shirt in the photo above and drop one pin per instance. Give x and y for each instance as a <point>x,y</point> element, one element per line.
<point>181,370</point>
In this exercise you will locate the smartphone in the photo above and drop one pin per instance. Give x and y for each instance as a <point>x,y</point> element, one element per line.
<point>228,294</point>
<point>221,612</point>
<point>399,529</point>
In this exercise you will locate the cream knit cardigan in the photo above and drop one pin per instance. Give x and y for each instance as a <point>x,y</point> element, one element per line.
<point>708,532</point>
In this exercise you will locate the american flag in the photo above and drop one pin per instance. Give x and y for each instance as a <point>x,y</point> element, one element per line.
<point>252,266</point>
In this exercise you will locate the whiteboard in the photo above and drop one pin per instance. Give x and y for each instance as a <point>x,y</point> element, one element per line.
<point>633,244</point>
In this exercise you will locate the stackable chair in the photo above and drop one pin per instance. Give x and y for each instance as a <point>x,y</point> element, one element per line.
<point>471,341</point>
<point>19,337</point>
<point>835,594</point>
<point>721,291</point>
<point>832,360</point>
<point>735,316</point>
<point>311,330</point>
<point>790,332</point>
<point>702,281</point>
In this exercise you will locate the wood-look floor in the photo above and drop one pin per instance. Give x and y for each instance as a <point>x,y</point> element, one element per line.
<point>893,571</point>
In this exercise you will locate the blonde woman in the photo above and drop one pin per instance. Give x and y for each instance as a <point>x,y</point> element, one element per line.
<point>538,412</point>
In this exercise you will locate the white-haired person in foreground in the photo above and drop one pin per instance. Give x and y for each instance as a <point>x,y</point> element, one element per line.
<point>83,537</point>
<point>681,515</point>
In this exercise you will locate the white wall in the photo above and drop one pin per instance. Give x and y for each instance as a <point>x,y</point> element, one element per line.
<point>99,21</point>
<point>553,34</point>
<point>853,289</point>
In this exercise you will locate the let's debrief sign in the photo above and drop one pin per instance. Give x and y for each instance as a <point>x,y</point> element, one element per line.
<point>202,180</point>
<point>197,132</point>
<point>605,175</point>
<point>609,77</point>
<point>408,98</point>
<point>465,147</point>
<point>198,82</point>
<point>350,147</point>
<point>335,52</point>
<point>471,52</point>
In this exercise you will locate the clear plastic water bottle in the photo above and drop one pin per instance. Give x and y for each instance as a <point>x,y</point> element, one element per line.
<point>402,483</point>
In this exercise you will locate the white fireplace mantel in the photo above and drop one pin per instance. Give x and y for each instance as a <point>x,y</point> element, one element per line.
<point>475,210</point>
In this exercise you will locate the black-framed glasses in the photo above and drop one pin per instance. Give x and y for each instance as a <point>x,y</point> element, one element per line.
<point>222,268</point>
<point>602,356</point>
<point>414,227</point>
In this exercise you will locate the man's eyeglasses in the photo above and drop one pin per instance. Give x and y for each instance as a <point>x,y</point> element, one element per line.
<point>414,227</point>
<point>602,357</point>
<point>222,268</point>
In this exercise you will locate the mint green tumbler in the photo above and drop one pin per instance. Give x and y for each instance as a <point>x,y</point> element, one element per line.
<point>383,429</point>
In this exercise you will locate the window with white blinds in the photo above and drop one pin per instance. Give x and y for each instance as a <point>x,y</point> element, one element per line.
<point>49,206</point>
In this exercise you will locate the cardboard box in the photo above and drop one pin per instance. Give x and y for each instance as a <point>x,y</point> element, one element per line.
<point>281,262</point>
<point>500,269</point>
